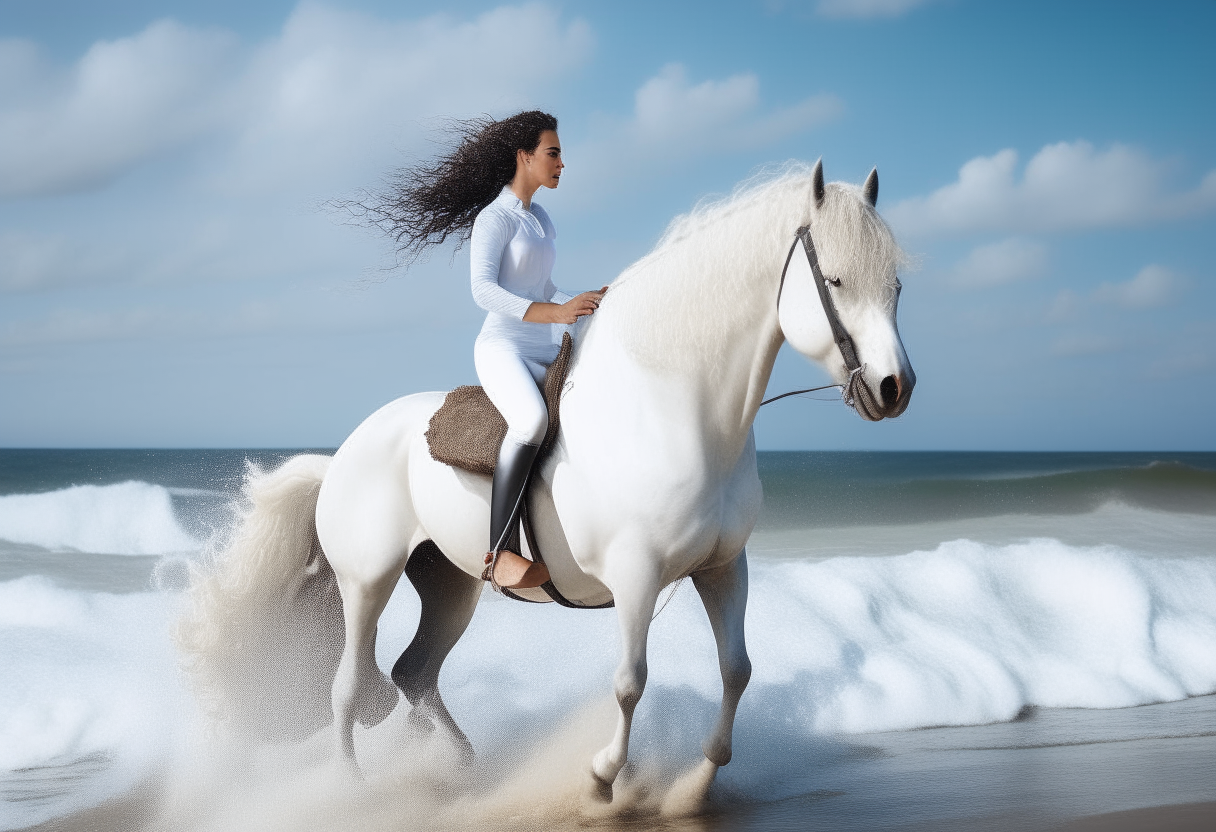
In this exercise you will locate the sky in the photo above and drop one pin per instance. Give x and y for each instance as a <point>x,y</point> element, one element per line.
<point>170,277</point>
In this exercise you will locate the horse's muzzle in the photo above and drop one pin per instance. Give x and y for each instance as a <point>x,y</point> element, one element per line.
<point>894,393</point>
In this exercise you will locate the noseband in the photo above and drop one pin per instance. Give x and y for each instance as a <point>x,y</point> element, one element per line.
<point>840,335</point>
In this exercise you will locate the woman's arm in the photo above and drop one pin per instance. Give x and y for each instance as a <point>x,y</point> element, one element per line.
<point>491,234</point>
<point>565,313</point>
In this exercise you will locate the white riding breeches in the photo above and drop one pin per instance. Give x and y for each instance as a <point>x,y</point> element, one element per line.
<point>512,382</point>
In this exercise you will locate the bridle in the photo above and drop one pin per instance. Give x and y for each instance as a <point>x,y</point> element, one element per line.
<point>840,335</point>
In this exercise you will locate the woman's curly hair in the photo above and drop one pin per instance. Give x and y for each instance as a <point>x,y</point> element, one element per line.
<point>421,206</point>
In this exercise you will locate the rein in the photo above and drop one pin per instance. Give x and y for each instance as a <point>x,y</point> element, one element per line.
<point>840,335</point>
<point>797,392</point>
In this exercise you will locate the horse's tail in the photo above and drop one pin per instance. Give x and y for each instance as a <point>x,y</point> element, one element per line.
<point>263,629</point>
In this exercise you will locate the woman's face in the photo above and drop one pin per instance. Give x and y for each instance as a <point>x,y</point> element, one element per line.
<point>544,165</point>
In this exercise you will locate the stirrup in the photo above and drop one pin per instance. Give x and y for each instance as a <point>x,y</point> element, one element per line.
<point>487,574</point>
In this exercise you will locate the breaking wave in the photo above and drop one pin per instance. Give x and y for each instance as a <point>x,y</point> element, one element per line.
<point>128,518</point>
<point>965,633</point>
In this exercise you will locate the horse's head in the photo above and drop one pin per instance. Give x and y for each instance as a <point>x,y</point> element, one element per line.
<point>853,309</point>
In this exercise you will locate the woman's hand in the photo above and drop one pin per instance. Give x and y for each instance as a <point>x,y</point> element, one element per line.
<point>565,313</point>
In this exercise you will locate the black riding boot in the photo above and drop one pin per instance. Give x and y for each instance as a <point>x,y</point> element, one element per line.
<point>510,478</point>
<point>507,498</point>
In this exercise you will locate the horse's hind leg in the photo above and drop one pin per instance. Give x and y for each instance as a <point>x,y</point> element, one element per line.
<point>360,691</point>
<point>449,597</point>
<point>724,593</point>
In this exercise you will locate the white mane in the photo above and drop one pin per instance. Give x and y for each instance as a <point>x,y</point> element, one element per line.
<point>717,268</point>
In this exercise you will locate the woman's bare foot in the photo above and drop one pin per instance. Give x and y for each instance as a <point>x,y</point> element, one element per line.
<point>514,571</point>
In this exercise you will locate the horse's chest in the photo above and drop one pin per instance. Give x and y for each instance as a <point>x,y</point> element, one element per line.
<point>680,511</point>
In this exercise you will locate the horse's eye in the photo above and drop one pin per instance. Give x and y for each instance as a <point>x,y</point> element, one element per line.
<point>835,281</point>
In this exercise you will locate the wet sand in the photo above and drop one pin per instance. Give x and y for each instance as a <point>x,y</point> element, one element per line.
<point>1146,768</point>
<point>1191,817</point>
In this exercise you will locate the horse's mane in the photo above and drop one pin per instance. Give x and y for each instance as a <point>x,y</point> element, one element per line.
<point>716,267</point>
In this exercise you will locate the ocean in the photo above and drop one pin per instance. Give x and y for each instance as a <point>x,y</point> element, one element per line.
<point>939,641</point>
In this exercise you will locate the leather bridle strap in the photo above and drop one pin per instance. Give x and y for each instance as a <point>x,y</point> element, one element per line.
<point>844,342</point>
<point>839,333</point>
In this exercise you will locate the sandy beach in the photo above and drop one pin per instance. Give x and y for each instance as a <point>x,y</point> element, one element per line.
<point>1147,768</point>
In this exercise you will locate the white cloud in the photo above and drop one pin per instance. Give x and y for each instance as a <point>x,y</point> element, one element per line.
<point>675,120</point>
<point>249,136</point>
<point>1152,286</point>
<point>124,101</point>
<point>1065,186</point>
<point>338,89</point>
<point>715,115</point>
<point>316,100</point>
<point>1005,261</point>
<point>867,8</point>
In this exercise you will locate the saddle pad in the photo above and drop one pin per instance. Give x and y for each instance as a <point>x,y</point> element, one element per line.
<point>467,430</point>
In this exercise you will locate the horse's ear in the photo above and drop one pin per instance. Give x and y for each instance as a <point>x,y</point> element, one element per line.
<point>870,189</point>
<point>817,182</point>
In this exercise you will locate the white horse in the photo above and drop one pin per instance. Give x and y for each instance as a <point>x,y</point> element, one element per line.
<point>653,477</point>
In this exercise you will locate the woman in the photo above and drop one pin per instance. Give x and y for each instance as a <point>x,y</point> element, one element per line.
<point>483,190</point>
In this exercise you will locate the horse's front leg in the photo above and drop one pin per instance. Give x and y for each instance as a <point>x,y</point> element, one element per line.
<point>723,591</point>
<point>635,593</point>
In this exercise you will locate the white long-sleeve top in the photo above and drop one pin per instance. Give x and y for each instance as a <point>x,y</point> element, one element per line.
<point>512,252</point>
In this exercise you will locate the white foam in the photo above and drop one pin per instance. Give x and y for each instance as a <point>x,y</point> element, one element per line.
<point>129,518</point>
<point>971,633</point>
<point>88,678</point>
<point>967,633</point>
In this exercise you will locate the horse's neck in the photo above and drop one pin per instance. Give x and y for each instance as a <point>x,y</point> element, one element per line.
<point>703,314</point>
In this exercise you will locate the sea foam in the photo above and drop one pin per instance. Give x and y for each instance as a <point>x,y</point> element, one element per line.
<point>129,518</point>
<point>965,633</point>
<point>971,633</point>
<point>89,695</point>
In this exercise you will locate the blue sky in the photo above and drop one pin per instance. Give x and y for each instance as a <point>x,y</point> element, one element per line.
<point>166,278</point>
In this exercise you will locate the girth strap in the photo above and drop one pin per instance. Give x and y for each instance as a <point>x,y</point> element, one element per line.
<point>552,591</point>
<point>548,586</point>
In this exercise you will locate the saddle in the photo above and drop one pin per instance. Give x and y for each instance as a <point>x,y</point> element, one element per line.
<point>467,430</point>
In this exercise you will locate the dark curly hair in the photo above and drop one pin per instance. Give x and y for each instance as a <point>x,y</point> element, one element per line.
<point>421,206</point>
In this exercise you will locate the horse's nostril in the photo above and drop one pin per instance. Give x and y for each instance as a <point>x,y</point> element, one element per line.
<point>890,391</point>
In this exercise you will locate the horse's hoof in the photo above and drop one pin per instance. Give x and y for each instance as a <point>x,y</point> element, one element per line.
<point>718,753</point>
<point>688,794</point>
<point>598,790</point>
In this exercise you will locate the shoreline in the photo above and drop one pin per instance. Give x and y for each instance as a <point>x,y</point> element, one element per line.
<point>1151,767</point>
<point>1181,817</point>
